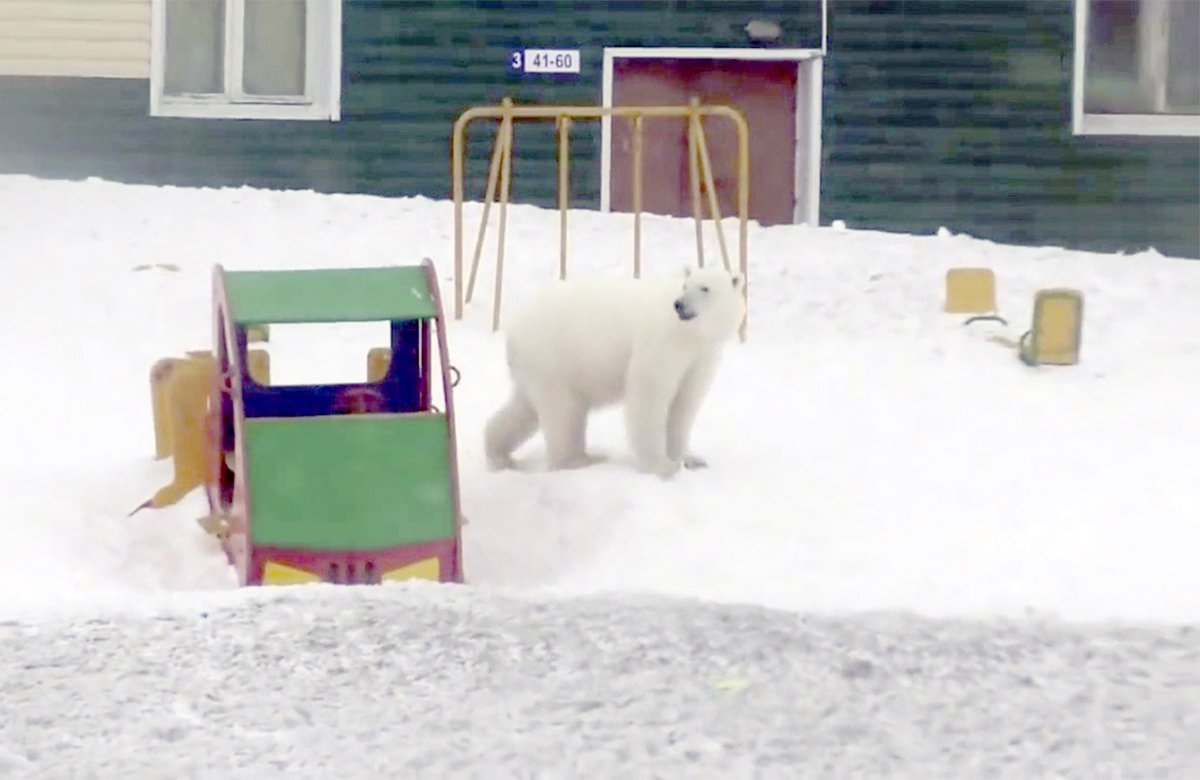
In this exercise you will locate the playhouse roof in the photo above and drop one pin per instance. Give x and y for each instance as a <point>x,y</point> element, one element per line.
<point>329,295</point>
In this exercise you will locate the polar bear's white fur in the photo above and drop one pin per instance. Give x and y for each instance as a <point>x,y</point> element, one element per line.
<point>586,344</point>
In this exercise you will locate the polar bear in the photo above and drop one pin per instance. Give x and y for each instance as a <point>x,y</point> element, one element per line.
<point>583,345</point>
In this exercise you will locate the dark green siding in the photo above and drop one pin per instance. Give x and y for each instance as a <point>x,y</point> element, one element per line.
<point>413,66</point>
<point>958,113</point>
<point>409,68</point>
<point>936,112</point>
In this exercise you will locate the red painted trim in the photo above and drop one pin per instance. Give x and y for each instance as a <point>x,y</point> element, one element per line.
<point>432,282</point>
<point>319,561</point>
<point>237,546</point>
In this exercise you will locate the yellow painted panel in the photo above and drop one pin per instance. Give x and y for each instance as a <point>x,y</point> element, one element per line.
<point>970,291</point>
<point>160,375</point>
<point>279,574</point>
<point>183,409</point>
<point>1057,326</point>
<point>427,569</point>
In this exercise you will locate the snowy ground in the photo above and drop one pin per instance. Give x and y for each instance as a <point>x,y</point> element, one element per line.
<point>867,451</point>
<point>421,682</point>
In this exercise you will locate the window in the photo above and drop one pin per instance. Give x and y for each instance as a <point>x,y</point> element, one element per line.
<point>1137,67</point>
<point>246,59</point>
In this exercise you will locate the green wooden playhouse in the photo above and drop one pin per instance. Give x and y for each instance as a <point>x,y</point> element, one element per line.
<point>353,483</point>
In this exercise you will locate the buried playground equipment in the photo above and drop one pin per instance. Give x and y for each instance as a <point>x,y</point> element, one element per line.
<point>1057,329</point>
<point>351,483</point>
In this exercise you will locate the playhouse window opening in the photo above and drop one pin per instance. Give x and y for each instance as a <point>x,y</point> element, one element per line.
<point>327,353</point>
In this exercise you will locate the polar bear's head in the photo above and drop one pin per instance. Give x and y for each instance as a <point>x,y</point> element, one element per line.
<point>711,301</point>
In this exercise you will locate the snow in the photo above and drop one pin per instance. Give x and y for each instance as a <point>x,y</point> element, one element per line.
<point>868,452</point>
<point>440,682</point>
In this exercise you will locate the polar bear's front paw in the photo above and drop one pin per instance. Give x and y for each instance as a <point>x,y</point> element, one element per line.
<point>664,468</point>
<point>500,462</point>
<point>575,461</point>
<point>694,462</point>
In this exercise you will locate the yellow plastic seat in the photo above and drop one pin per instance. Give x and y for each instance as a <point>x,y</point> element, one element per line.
<point>1057,328</point>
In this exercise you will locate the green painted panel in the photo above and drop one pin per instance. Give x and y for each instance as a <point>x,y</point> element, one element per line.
<point>352,482</point>
<point>329,295</point>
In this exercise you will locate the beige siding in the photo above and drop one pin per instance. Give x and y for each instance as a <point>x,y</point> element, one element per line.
<point>77,38</point>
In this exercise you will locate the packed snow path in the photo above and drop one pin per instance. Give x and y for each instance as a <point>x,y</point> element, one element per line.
<point>447,682</point>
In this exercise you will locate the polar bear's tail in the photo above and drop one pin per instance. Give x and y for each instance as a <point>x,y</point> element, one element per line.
<point>510,427</point>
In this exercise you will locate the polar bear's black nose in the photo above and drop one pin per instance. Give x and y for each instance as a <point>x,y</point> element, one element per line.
<point>680,306</point>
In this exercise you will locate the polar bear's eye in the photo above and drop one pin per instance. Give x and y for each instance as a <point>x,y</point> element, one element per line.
<point>704,289</point>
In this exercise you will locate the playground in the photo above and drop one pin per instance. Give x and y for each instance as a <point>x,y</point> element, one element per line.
<point>867,449</point>
<point>912,544</point>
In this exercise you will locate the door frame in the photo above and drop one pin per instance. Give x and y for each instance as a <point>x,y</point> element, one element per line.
<point>806,208</point>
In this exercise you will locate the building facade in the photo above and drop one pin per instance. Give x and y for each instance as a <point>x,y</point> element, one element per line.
<point>918,114</point>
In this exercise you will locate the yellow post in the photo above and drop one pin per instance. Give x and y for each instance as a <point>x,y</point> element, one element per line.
<point>743,195</point>
<point>489,196</point>
<point>564,162</point>
<point>505,179</point>
<point>714,207</point>
<point>456,192</point>
<point>637,196</point>
<point>694,177</point>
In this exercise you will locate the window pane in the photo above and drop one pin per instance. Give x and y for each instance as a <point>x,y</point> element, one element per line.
<point>1183,84</point>
<point>195,52</point>
<point>274,58</point>
<point>1143,56</point>
<point>1111,83</point>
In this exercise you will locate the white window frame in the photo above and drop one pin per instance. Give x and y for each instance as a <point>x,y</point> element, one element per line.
<point>322,71</point>
<point>1082,123</point>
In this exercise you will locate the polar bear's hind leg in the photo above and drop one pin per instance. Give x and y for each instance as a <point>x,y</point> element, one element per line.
<point>510,427</point>
<point>563,419</point>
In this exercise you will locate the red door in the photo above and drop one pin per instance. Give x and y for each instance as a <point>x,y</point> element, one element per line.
<point>764,91</point>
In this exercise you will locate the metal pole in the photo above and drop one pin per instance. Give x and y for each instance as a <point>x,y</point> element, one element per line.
<point>564,162</point>
<point>694,178</point>
<point>489,196</point>
<point>637,196</point>
<point>713,207</point>
<point>505,178</point>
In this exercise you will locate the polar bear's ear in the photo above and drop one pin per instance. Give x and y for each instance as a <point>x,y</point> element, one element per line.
<point>737,281</point>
